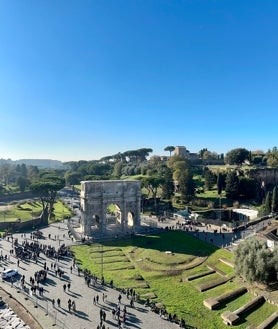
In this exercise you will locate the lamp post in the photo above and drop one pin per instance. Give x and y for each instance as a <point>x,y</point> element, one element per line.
<point>101,261</point>
<point>220,206</point>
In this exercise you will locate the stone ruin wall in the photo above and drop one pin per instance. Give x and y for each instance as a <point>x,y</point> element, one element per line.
<point>267,177</point>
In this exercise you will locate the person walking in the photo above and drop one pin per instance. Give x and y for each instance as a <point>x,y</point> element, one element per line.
<point>69,305</point>
<point>73,306</point>
<point>59,302</point>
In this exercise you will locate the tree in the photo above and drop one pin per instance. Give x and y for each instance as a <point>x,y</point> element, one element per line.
<point>152,183</point>
<point>272,157</point>
<point>46,188</point>
<point>22,182</point>
<point>255,262</point>
<point>32,172</point>
<point>237,156</point>
<point>248,188</point>
<point>220,182</point>
<point>205,154</point>
<point>6,169</point>
<point>267,203</point>
<point>169,149</point>
<point>186,185</point>
<point>232,185</point>
<point>73,177</point>
<point>117,171</point>
<point>167,184</point>
<point>274,201</point>
<point>143,153</point>
<point>210,179</point>
<point>137,155</point>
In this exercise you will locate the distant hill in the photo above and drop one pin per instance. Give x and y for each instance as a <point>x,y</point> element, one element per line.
<point>40,163</point>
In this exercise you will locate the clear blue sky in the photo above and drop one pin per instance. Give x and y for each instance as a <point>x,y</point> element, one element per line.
<point>80,80</point>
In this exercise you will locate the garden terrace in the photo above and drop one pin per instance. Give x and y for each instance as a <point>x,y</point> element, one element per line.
<point>212,284</point>
<point>269,321</point>
<point>213,303</point>
<point>216,269</point>
<point>158,276</point>
<point>232,318</point>
<point>200,275</point>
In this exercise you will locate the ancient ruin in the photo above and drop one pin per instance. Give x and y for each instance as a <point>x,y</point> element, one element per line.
<point>110,207</point>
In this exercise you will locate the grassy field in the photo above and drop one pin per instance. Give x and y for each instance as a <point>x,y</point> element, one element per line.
<point>158,266</point>
<point>31,209</point>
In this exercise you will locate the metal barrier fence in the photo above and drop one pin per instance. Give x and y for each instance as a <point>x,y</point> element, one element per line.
<point>45,305</point>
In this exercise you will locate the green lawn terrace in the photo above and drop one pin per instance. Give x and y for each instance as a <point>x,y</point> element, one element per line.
<point>27,210</point>
<point>159,267</point>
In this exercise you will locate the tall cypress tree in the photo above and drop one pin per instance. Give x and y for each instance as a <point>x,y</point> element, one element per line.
<point>209,179</point>
<point>267,203</point>
<point>186,185</point>
<point>274,201</point>
<point>220,182</point>
<point>232,185</point>
<point>168,185</point>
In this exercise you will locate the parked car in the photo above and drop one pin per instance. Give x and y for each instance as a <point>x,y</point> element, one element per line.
<point>9,273</point>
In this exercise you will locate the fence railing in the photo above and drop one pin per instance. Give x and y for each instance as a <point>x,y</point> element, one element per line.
<point>45,305</point>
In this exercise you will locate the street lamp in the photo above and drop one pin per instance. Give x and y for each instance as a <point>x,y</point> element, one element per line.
<point>220,206</point>
<point>101,261</point>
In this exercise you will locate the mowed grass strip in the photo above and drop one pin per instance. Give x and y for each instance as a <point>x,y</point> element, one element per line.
<point>228,270</point>
<point>233,305</point>
<point>220,290</point>
<point>263,312</point>
<point>206,279</point>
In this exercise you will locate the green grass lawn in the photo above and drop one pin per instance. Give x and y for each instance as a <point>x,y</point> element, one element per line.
<point>142,263</point>
<point>32,209</point>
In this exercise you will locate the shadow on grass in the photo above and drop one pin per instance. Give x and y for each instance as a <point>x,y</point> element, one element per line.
<point>174,240</point>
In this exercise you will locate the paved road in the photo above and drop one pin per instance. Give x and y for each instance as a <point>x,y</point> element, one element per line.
<point>87,314</point>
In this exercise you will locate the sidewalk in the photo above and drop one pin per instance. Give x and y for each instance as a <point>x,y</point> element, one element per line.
<point>87,314</point>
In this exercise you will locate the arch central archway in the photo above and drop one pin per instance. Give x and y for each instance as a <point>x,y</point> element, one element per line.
<point>110,207</point>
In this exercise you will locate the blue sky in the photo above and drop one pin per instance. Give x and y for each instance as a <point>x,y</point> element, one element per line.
<point>80,80</point>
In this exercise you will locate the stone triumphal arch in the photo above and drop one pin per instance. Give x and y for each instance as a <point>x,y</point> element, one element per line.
<point>110,206</point>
